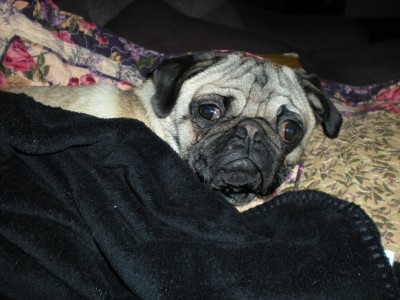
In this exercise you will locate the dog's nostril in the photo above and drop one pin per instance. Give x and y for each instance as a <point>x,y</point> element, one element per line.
<point>250,130</point>
<point>241,132</point>
<point>258,136</point>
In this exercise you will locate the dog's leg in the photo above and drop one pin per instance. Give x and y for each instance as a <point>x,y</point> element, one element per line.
<point>100,100</point>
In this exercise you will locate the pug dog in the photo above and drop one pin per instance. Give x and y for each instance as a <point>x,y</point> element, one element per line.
<point>238,120</point>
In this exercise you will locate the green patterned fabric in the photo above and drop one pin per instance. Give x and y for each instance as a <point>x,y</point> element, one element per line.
<point>362,166</point>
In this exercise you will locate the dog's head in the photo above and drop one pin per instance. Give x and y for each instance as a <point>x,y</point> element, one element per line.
<point>238,120</point>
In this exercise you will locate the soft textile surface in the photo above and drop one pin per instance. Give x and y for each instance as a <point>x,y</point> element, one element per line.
<point>362,166</point>
<point>93,208</point>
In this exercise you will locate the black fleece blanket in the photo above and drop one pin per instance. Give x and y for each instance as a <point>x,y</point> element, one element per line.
<point>103,209</point>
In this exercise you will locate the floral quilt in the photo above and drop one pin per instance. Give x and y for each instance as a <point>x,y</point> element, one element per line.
<point>42,45</point>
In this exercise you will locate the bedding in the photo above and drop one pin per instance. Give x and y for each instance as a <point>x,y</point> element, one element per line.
<point>42,45</point>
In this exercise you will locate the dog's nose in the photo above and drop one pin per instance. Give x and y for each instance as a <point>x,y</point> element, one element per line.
<point>250,130</point>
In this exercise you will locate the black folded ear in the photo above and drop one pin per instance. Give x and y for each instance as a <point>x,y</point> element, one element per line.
<point>324,110</point>
<point>169,77</point>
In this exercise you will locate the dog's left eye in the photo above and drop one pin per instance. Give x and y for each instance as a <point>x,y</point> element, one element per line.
<point>290,132</point>
<point>210,112</point>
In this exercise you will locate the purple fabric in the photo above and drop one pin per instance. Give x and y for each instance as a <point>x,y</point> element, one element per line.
<point>100,41</point>
<point>361,99</point>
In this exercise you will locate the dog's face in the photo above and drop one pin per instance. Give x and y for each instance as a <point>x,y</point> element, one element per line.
<point>239,121</point>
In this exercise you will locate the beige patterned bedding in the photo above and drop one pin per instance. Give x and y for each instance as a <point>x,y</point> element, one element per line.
<point>361,166</point>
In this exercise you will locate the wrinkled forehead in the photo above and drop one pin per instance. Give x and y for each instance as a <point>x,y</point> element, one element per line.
<point>257,87</point>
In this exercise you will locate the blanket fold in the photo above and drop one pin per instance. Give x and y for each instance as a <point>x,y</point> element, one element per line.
<point>100,209</point>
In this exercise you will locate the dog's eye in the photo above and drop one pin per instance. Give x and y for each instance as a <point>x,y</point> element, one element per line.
<point>210,112</point>
<point>290,132</point>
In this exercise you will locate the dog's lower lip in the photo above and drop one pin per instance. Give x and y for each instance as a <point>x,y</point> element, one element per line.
<point>233,190</point>
<point>238,199</point>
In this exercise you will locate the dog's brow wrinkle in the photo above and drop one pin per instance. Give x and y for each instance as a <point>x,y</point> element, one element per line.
<point>261,80</point>
<point>279,76</point>
<point>252,85</point>
<point>183,120</point>
<point>240,67</point>
<point>242,63</point>
<point>229,90</point>
<point>261,109</point>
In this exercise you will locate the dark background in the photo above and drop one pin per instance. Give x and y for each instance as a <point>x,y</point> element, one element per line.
<point>380,17</point>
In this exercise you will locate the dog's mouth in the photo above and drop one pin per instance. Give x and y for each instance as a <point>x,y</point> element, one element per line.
<point>242,180</point>
<point>239,199</point>
<point>238,176</point>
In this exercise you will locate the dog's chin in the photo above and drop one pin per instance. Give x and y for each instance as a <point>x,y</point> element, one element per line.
<point>240,187</point>
<point>241,180</point>
<point>239,199</point>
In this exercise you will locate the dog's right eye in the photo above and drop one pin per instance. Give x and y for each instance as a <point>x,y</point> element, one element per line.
<point>290,132</point>
<point>210,112</point>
